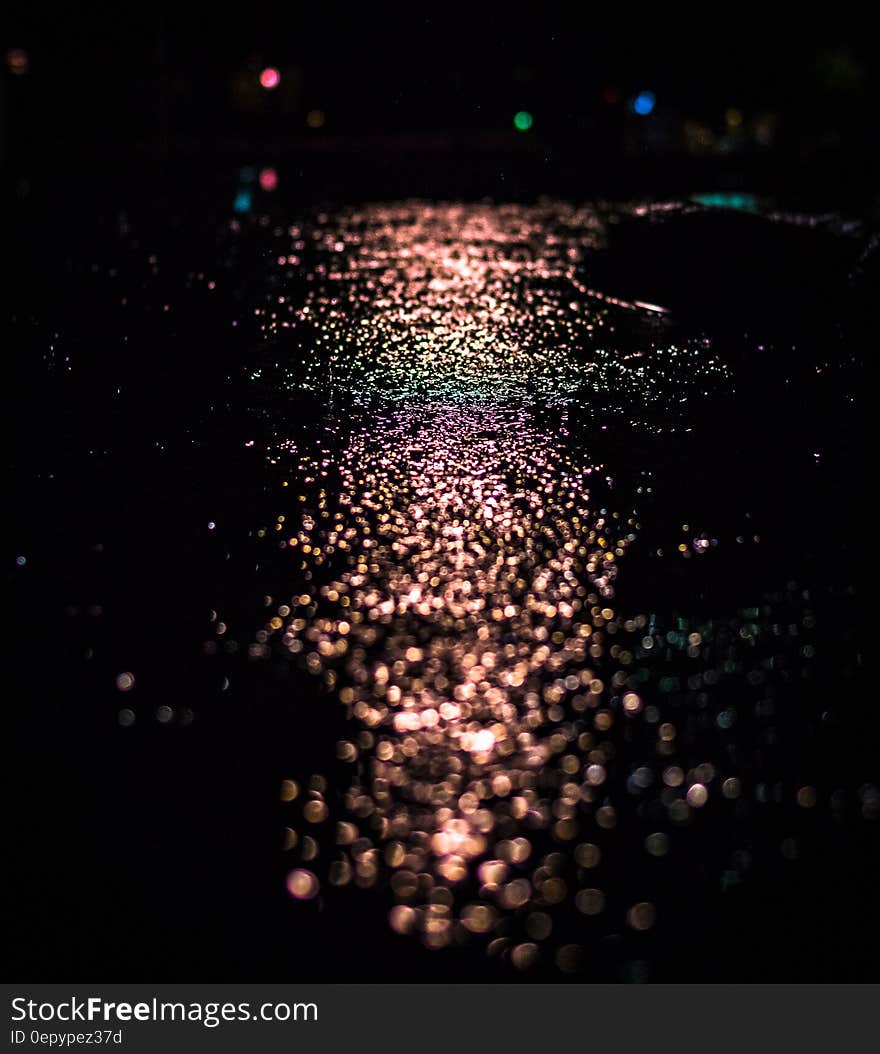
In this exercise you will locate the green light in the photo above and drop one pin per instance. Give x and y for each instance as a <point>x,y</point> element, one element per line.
<point>522,121</point>
<point>727,200</point>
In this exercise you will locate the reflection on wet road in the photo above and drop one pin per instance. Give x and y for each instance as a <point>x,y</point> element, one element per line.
<point>453,555</point>
<point>537,598</point>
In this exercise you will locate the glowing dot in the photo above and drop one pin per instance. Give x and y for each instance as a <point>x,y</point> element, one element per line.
<point>268,179</point>
<point>270,78</point>
<point>315,118</point>
<point>482,741</point>
<point>523,121</point>
<point>643,103</point>
<point>21,560</point>
<point>242,201</point>
<point>402,919</point>
<point>125,682</point>
<point>632,704</point>
<point>302,884</point>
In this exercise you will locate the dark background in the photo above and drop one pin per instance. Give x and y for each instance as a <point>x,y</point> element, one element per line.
<point>155,855</point>
<point>422,101</point>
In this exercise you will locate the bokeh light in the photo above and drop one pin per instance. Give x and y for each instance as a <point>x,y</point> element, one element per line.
<point>644,103</point>
<point>268,179</point>
<point>243,201</point>
<point>270,78</point>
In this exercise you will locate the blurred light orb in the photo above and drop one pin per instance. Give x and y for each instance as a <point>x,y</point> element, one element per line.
<point>523,121</point>
<point>644,103</point>
<point>242,201</point>
<point>270,78</point>
<point>642,916</point>
<point>18,62</point>
<point>316,118</point>
<point>482,742</point>
<point>733,117</point>
<point>268,179</point>
<point>302,884</point>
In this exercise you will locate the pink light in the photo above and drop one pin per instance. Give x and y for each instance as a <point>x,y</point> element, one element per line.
<point>268,179</point>
<point>270,78</point>
<point>479,742</point>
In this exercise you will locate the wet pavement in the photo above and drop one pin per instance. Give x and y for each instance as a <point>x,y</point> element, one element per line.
<point>446,590</point>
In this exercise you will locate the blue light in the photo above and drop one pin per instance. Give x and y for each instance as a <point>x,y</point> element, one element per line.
<point>643,103</point>
<point>242,201</point>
